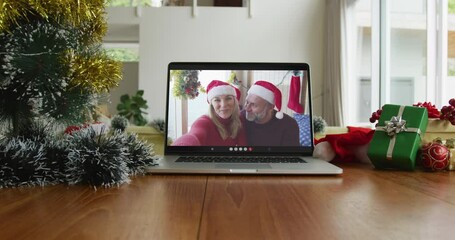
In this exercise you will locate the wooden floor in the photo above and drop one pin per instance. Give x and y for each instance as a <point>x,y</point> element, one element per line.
<point>363,203</point>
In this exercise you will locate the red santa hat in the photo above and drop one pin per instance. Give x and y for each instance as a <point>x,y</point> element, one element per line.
<point>268,92</point>
<point>217,88</point>
<point>345,147</point>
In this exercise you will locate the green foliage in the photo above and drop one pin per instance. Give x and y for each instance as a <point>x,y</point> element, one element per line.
<point>451,6</point>
<point>132,108</point>
<point>232,78</point>
<point>123,54</point>
<point>451,71</point>
<point>186,83</point>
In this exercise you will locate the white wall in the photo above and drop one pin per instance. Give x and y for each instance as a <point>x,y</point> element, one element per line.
<point>279,31</point>
<point>128,85</point>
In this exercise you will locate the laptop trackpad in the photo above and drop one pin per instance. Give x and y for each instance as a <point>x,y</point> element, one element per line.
<point>243,166</point>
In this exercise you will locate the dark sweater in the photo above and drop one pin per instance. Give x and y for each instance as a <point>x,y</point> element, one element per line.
<point>276,132</point>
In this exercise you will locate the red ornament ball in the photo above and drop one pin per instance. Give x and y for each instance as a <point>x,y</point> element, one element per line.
<point>435,156</point>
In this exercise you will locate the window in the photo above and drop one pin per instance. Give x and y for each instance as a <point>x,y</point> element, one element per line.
<point>129,3</point>
<point>450,81</point>
<point>361,76</point>
<point>404,54</point>
<point>160,3</point>
<point>122,51</point>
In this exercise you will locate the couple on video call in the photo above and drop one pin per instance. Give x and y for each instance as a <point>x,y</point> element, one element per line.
<point>258,124</point>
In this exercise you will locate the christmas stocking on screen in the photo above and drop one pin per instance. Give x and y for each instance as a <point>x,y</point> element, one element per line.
<point>294,95</point>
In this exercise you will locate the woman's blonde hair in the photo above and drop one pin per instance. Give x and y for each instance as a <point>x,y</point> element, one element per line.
<point>235,125</point>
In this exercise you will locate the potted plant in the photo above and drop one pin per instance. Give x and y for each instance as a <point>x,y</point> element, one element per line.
<point>133,108</point>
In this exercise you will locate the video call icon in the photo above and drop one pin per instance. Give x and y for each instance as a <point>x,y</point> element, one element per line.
<point>240,149</point>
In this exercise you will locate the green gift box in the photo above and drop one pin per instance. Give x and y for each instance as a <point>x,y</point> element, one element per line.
<point>397,138</point>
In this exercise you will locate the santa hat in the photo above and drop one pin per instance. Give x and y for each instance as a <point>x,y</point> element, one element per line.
<point>217,88</point>
<point>345,147</point>
<point>268,92</point>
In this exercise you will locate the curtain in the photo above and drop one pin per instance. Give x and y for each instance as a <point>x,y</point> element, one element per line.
<point>336,71</point>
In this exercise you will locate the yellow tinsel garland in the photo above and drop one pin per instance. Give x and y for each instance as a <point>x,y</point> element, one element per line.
<point>86,15</point>
<point>95,73</point>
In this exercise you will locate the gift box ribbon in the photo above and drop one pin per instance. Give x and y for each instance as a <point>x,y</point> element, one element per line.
<point>392,128</point>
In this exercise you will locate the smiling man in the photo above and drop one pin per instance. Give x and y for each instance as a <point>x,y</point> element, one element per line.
<point>264,125</point>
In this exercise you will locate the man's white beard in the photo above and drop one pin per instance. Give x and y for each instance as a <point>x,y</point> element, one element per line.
<point>253,117</point>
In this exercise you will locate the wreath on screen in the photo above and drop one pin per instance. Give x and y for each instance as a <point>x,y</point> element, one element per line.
<point>186,83</point>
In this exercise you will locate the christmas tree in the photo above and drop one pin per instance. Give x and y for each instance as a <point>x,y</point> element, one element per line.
<point>53,71</point>
<point>51,63</point>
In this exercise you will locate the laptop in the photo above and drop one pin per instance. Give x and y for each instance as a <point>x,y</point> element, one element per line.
<point>279,146</point>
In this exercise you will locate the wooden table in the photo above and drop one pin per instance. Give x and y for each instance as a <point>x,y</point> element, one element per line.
<point>363,203</point>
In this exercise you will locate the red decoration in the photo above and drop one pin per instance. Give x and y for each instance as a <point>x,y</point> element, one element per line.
<point>375,116</point>
<point>70,129</point>
<point>435,156</point>
<point>433,112</point>
<point>448,112</point>
<point>74,128</point>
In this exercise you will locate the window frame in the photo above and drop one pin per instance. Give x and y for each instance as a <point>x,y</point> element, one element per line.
<point>436,55</point>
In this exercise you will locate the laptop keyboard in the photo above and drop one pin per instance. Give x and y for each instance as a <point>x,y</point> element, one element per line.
<point>243,159</point>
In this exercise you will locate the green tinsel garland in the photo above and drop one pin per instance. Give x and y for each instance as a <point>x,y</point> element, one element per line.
<point>158,124</point>
<point>24,163</point>
<point>106,159</point>
<point>140,155</point>
<point>119,123</point>
<point>319,124</point>
<point>97,160</point>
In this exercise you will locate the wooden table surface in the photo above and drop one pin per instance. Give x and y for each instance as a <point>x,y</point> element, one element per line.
<point>362,203</point>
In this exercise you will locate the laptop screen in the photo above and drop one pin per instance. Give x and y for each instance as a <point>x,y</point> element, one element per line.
<point>239,108</point>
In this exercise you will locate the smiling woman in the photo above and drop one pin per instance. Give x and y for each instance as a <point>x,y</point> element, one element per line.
<point>222,126</point>
<point>223,105</point>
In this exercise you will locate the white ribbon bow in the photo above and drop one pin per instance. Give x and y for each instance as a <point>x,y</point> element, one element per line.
<point>395,126</point>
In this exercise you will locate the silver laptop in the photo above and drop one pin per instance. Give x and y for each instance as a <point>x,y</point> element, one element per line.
<point>278,141</point>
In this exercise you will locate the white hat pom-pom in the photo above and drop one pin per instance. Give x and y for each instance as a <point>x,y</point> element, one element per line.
<point>324,151</point>
<point>279,115</point>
